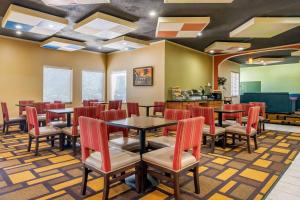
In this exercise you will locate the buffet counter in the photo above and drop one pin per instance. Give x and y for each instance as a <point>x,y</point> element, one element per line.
<point>182,104</point>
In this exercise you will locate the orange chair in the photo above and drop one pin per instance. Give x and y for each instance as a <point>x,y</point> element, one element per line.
<point>133,109</point>
<point>7,121</point>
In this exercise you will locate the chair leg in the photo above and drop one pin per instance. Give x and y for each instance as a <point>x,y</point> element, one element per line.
<point>233,139</point>
<point>137,179</point>
<point>176,186</point>
<point>61,144</point>
<point>6,131</point>
<point>224,141</point>
<point>264,125</point>
<point>255,141</point>
<point>52,141</point>
<point>29,143</point>
<point>248,144</point>
<point>74,141</point>
<point>3,130</point>
<point>85,172</point>
<point>204,140</point>
<point>106,187</point>
<point>196,180</point>
<point>213,141</point>
<point>63,137</point>
<point>37,146</point>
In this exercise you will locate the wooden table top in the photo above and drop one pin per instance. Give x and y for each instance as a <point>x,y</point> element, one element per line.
<point>62,111</point>
<point>219,110</point>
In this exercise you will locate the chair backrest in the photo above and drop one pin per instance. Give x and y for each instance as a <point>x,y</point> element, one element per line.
<point>253,119</point>
<point>111,115</point>
<point>40,107</point>
<point>174,114</point>
<point>93,137</point>
<point>57,101</point>
<point>245,107</point>
<point>115,105</point>
<point>88,102</point>
<point>53,116</point>
<point>100,107</point>
<point>208,114</point>
<point>133,109</point>
<point>188,136</point>
<point>23,104</point>
<point>262,105</point>
<point>82,112</point>
<point>4,111</point>
<point>159,107</point>
<point>32,120</point>
<point>234,116</point>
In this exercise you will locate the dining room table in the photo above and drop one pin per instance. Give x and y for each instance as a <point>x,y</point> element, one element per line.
<point>221,111</point>
<point>147,107</point>
<point>143,124</point>
<point>67,111</point>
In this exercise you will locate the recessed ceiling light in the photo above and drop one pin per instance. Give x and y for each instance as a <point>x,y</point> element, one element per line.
<point>199,34</point>
<point>51,26</point>
<point>18,26</point>
<point>19,32</point>
<point>99,48</point>
<point>126,49</point>
<point>241,49</point>
<point>125,43</point>
<point>152,13</point>
<point>211,51</point>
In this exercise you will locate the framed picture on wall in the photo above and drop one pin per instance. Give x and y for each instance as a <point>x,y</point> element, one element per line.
<point>143,76</point>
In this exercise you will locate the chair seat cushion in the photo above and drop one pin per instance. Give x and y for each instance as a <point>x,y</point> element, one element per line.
<point>59,124</point>
<point>16,120</point>
<point>125,143</point>
<point>164,158</point>
<point>238,129</point>
<point>47,131</point>
<point>227,123</point>
<point>244,119</point>
<point>69,131</point>
<point>119,158</point>
<point>162,141</point>
<point>41,117</point>
<point>219,130</point>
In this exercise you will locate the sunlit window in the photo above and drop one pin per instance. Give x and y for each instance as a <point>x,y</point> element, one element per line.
<point>118,85</point>
<point>235,84</point>
<point>92,85</point>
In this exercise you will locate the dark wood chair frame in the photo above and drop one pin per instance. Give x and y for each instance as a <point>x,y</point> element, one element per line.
<point>7,124</point>
<point>213,140</point>
<point>243,137</point>
<point>173,177</point>
<point>70,139</point>
<point>112,177</point>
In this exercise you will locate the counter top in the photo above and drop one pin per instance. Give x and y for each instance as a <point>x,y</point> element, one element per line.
<point>187,100</point>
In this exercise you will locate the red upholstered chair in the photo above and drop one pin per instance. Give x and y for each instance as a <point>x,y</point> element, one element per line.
<point>245,107</point>
<point>115,105</point>
<point>41,111</point>
<point>23,104</point>
<point>183,157</point>
<point>124,142</point>
<point>100,107</point>
<point>166,140</point>
<point>89,102</point>
<point>159,107</point>
<point>7,121</point>
<point>248,131</point>
<point>133,109</point>
<point>73,132</point>
<point>107,161</point>
<point>210,129</point>
<point>53,119</point>
<point>36,132</point>
<point>262,113</point>
<point>232,116</point>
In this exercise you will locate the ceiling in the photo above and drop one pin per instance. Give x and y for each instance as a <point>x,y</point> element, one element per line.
<point>224,19</point>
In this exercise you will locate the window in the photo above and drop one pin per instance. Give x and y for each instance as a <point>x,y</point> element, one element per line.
<point>92,85</point>
<point>118,85</point>
<point>235,84</point>
<point>57,84</point>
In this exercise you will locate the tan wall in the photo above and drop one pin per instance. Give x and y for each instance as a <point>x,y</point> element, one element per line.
<point>186,68</point>
<point>225,70</point>
<point>21,70</point>
<point>154,56</point>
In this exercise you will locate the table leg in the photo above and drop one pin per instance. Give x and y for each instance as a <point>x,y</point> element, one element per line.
<point>68,119</point>
<point>142,134</point>
<point>220,119</point>
<point>147,111</point>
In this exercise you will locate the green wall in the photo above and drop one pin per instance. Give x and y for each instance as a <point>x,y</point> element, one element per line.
<point>186,68</point>
<point>276,78</point>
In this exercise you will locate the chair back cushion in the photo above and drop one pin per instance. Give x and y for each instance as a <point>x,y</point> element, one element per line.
<point>133,109</point>
<point>115,105</point>
<point>253,119</point>
<point>23,104</point>
<point>159,107</point>
<point>89,102</point>
<point>208,114</point>
<point>262,106</point>
<point>188,137</point>
<point>32,120</point>
<point>82,111</point>
<point>111,115</point>
<point>4,111</point>
<point>245,107</point>
<point>54,116</point>
<point>93,137</point>
<point>100,107</point>
<point>40,107</point>
<point>233,116</point>
<point>174,114</point>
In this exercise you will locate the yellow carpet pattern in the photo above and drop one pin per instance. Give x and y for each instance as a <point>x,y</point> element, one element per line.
<point>229,173</point>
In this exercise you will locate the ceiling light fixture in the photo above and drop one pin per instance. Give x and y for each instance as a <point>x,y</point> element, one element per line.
<point>152,13</point>
<point>99,48</point>
<point>241,49</point>
<point>18,26</point>
<point>211,51</point>
<point>51,26</point>
<point>199,34</point>
<point>250,61</point>
<point>19,32</point>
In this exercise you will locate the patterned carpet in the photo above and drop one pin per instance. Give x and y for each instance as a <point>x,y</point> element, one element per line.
<point>227,174</point>
<point>284,119</point>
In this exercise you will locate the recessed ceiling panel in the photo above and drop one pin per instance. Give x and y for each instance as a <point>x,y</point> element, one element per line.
<point>296,53</point>
<point>105,26</point>
<point>180,27</point>
<point>72,2</point>
<point>62,44</point>
<point>125,43</point>
<point>199,1</point>
<point>265,27</point>
<point>265,61</point>
<point>27,20</point>
<point>227,47</point>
